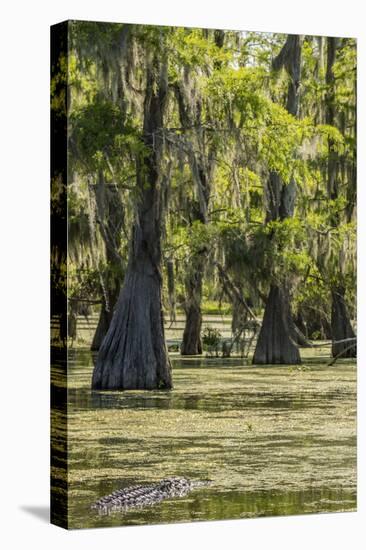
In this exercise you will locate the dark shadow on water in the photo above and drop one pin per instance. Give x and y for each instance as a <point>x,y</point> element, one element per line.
<point>40,512</point>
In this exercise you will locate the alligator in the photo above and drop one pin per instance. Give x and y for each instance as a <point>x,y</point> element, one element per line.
<point>146,495</point>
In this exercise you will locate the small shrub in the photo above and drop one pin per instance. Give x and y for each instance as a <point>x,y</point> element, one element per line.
<point>211,340</point>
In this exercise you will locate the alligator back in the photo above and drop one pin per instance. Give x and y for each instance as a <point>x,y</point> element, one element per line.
<point>146,495</point>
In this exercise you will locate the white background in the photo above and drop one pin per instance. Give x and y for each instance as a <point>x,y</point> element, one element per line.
<point>24,288</point>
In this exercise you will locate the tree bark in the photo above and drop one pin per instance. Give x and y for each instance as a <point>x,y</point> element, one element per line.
<point>330,118</point>
<point>296,334</point>
<point>340,323</point>
<point>106,315</point>
<point>190,108</point>
<point>102,328</point>
<point>133,354</point>
<point>277,319</point>
<point>110,215</point>
<point>341,326</point>
<point>275,345</point>
<point>192,343</point>
<point>171,289</point>
<point>278,336</point>
<point>317,324</point>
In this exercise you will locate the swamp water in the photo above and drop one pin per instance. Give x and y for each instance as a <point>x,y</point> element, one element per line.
<point>274,440</point>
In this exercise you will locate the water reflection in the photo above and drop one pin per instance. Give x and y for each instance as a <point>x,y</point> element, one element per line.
<point>274,440</point>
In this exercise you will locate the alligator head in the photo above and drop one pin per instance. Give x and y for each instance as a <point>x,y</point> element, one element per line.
<point>175,485</point>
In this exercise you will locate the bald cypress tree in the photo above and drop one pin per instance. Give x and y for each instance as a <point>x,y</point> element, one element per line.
<point>342,330</point>
<point>133,354</point>
<point>277,338</point>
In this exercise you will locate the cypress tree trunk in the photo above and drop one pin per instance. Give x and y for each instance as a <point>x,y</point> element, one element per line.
<point>341,326</point>
<point>340,323</point>
<point>278,336</point>
<point>190,107</point>
<point>333,160</point>
<point>133,354</point>
<point>105,317</point>
<point>110,215</point>
<point>313,324</point>
<point>171,289</point>
<point>296,334</point>
<point>277,320</point>
<point>275,345</point>
<point>102,328</point>
<point>192,344</point>
<point>201,171</point>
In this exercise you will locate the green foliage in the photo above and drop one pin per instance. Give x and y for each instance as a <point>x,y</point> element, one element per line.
<point>211,307</point>
<point>211,339</point>
<point>83,283</point>
<point>241,131</point>
<point>192,49</point>
<point>95,127</point>
<point>239,98</point>
<point>101,137</point>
